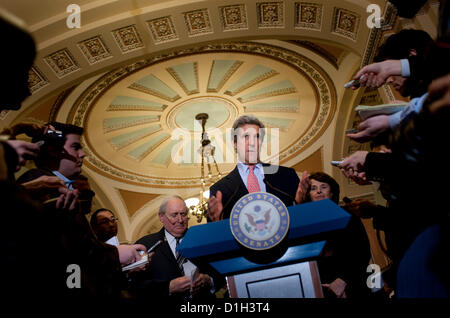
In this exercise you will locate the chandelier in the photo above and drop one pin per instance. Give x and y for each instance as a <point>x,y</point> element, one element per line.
<point>199,208</point>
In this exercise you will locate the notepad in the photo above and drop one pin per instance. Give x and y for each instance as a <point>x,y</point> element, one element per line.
<point>385,109</point>
<point>141,262</point>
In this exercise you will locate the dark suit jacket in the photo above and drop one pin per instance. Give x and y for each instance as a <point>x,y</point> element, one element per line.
<point>155,280</point>
<point>8,161</point>
<point>347,256</point>
<point>36,173</point>
<point>283,183</point>
<point>163,268</point>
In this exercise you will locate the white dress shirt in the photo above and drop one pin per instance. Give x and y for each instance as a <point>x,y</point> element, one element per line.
<point>113,241</point>
<point>66,180</point>
<point>188,267</point>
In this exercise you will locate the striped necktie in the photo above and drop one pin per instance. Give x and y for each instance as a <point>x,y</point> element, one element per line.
<point>252,181</point>
<point>180,258</point>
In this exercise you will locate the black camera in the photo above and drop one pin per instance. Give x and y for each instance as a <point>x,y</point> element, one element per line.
<point>54,138</point>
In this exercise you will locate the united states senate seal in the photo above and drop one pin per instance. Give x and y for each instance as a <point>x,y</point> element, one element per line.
<point>259,221</point>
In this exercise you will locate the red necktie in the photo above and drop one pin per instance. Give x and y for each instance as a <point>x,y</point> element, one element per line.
<point>252,181</point>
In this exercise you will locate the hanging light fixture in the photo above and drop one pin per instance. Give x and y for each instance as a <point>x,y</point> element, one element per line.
<point>207,176</point>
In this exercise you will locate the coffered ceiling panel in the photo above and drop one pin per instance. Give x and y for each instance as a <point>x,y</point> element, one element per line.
<point>117,32</point>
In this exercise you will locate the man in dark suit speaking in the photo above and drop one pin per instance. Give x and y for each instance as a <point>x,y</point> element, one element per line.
<point>250,174</point>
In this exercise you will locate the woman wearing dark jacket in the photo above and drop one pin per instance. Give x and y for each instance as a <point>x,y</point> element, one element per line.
<point>346,255</point>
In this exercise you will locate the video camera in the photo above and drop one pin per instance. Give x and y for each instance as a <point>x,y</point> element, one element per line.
<point>54,138</point>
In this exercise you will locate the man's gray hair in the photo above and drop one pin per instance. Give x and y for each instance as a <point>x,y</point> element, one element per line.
<point>247,120</point>
<point>163,206</point>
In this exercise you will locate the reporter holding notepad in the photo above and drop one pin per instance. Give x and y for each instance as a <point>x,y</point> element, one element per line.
<point>100,264</point>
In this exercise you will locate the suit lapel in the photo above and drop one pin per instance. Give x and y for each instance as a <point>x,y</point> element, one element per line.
<point>272,181</point>
<point>268,178</point>
<point>234,178</point>
<point>165,247</point>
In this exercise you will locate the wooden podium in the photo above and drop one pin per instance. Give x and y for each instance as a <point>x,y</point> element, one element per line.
<point>288,270</point>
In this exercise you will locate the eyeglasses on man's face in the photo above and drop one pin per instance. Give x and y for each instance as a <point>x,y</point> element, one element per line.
<point>104,221</point>
<point>176,215</point>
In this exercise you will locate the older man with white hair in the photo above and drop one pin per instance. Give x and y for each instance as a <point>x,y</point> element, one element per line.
<point>169,274</point>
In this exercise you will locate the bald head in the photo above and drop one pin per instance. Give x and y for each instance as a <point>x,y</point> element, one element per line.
<point>173,214</point>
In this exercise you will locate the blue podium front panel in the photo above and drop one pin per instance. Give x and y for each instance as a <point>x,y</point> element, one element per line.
<point>293,254</point>
<point>214,244</point>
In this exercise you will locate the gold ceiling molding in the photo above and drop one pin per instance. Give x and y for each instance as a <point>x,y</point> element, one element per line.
<point>198,22</point>
<point>229,106</point>
<point>233,17</point>
<point>110,171</point>
<point>270,14</point>
<point>318,78</point>
<point>316,48</point>
<point>308,15</point>
<point>312,163</point>
<point>388,21</point>
<point>95,49</point>
<point>346,23</point>
<point>135,200</point>
<point>62,63</point>
<point>128,39</point>
<point>36,79</point>
<point>181,83</point>
<point>173,25</point>
<point>225,78</point>
<point>59,102</point>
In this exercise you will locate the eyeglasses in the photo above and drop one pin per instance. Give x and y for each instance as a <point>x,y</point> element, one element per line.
<point>108,220</point>
<point>174,215</point>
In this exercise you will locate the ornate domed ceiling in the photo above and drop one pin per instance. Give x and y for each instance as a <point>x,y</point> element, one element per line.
<point>143,128</point>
